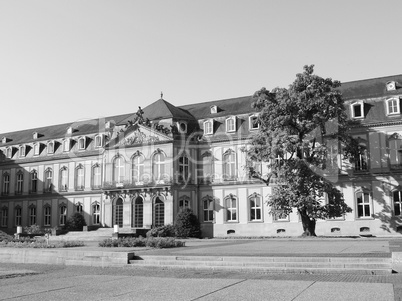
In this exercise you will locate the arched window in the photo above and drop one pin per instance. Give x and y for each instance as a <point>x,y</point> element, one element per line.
<point>79,178</point>
<point>229,165</point>
<point>79,207</point>
<point>158,167</point>
<point>397,198</point>
<point>183,168</point>
<point>159,212</point>
<point>118,212</point>
<point>63,179</point>
<point>208,209</point>
<point>96,213</point>
<point>137,169</point>
<point>138,212</point>
<point>48,180</point>
<point>96,177</point>
<point>47,215</point>
<point>34,182</point>
<point>18,216</point>
<point>118,170</point>
<point>20,182</point>
<point>62,214</point>
<point>32,214</point>
<point>231,208</point>
<point>255,205</point>
<point>6,183</point>
<point>4,217</point>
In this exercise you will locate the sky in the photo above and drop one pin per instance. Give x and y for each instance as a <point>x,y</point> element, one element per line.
<point>70,60</point>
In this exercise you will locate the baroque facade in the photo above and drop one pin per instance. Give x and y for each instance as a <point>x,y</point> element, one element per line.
<point>139,170</point>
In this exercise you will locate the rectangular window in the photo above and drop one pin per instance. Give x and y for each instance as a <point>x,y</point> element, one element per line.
<point>6,184</point>
<point>34,182</point>
<point>255,208</point>
<point>22,151</point>
<point>363,204</point>
<point>81,143</point>
<point>208,208</point>
<point>36,149</point>
<point>50,148</point>
<point>63,215</point>
<point>96,214</point>
<point>96,177</point>
<point>208,127</point>
<point>32,215</point>
<point>253,121</point>
<point>66,145</point>
<point>18,216</point>
<point>231,124</point>
<point>4,217</point>
<point>98,141</point>
<point>231,209</point>
<point>397,203</point>
<point>361,159</point>
<point>79,179</point>
<point>357,110</point>
<point>47,216</point>
<point>20,181</point>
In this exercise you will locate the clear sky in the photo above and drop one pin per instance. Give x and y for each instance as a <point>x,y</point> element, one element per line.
<point>63,61</point>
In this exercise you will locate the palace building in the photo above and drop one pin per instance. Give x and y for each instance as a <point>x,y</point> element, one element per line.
<point>139,170</point>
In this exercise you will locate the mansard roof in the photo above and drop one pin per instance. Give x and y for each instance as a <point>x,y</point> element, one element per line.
<point>232,106</point>
<point>60,130</point>
<point>370,88</point>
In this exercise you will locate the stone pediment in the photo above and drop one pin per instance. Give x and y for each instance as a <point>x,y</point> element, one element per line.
<point>140,134</point>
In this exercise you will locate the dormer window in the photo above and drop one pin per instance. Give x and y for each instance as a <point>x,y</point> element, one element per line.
<point>109,125</point>
<point>5,140</point>
<point>214,109</point>
<point>253,122</point>
<point>50,147</point>
<point>182,127</point>
<point>99,141</point>
<point>22,151</point>
<point>391,86</point>
<point>9,152</point>
<point>231,124</point>
<point>208,127</point>
<point>70,130</point>
<point>66,145</point>
<point>36,148</point>
<point>35,135</point>
<point>81,143</point>
<point>357,110</point>
<point>393,106</point>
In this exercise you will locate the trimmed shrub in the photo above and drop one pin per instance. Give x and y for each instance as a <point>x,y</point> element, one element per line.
<point>162,231</point>
<point>187,224</point>
<point>151,242</point>
<point>75,222</point>
<point>39,243</point>
<point>33,229</point>
<point>5,237</point>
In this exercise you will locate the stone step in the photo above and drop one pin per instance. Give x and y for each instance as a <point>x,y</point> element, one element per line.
<point>359,265</point>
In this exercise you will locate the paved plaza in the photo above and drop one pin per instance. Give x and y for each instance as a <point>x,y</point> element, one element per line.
<point>52,282</point>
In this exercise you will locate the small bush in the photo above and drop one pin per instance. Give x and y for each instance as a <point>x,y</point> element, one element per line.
<point>5,237</point>
<point>39,243</point>
<point>75,222</point>
<point>187,224</point>
<point>152,242</point>
<point>162,231</point>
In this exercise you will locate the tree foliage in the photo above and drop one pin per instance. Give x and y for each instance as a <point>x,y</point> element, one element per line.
<point>187,224</point>
<point>300,129</point>
<point>75,222</point>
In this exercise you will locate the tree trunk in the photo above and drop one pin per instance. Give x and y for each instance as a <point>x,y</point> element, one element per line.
<point>308,224</point>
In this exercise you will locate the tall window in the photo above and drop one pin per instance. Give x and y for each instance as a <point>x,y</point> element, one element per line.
<point>357,110</point>
<point>231,208</point>
<point>118,170</point>
<point>361,158</point>
<point>159,212</point>
<point>36,149</point>
<point>4,217</point>
<point>6,183</point>
<point>158,166</point>
<point>62,214</point>
<point>32,215</point>
<point>9,152</point>
<point>208,209</point>
<point>231,124</point>
<point>79,178</point>
<point>229,165</point>
<point>48,180</point>
<point>18,215</point>
<point>47,215</point>
<point>207,168</point>
<point>96,214</point>
<point>96,177</point>
<point>20,182</point>
<point>22,151</point>
<point>183,168</point>
<point>255,205</point>
<point>78,207</point>
<point>118,212</point>
<point>34,182</point>
<point>138,210</point>
<point>137,169</point>
<point>98,141</point>
<point>363,204</point>
<point>81,143</point>
<point>63,179</point>
<point>66,145</point>
<point>397,203</point>
<point>50,147</point>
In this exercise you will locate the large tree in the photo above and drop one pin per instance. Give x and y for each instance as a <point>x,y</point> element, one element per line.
<point>301,131</point>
